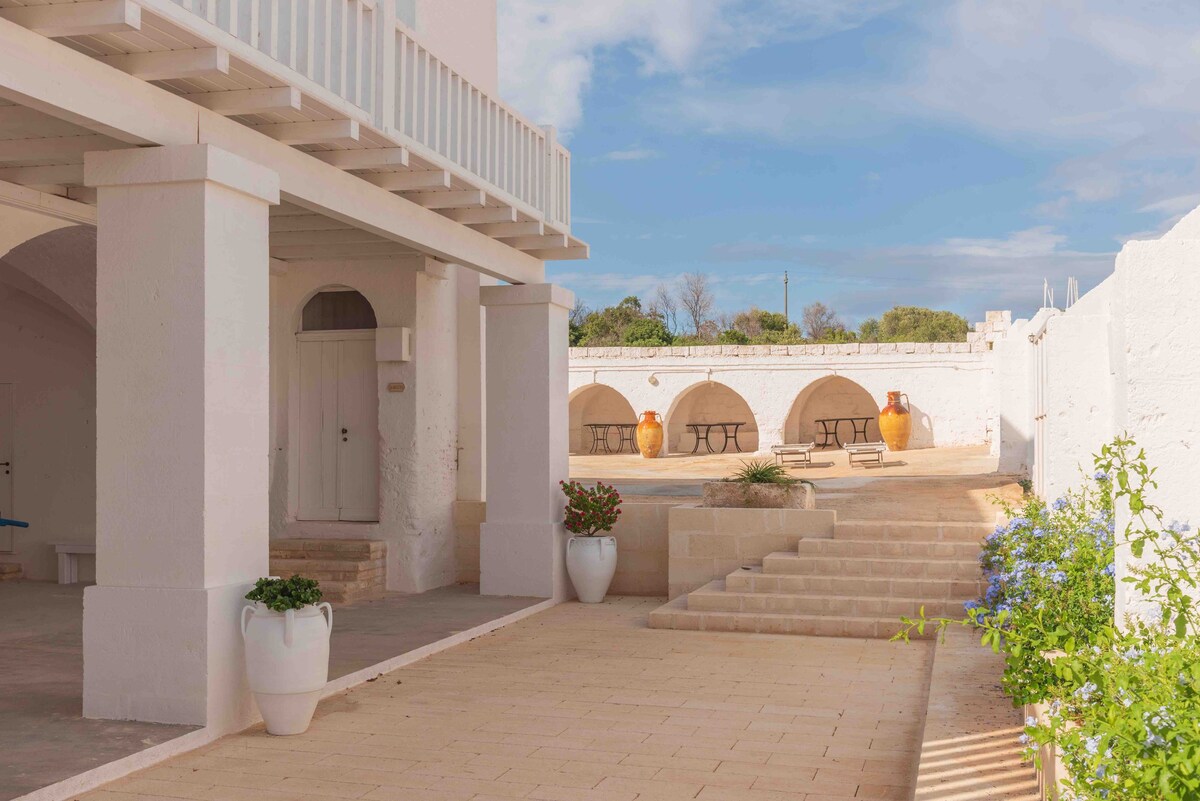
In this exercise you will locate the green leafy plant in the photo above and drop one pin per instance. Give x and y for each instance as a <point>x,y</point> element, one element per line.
<point>759,471</point>
<point>590,511</point>
<point>280,595</point>
<point>1123,698</point>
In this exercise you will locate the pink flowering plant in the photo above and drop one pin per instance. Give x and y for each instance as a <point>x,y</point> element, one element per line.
<point>590,511</point>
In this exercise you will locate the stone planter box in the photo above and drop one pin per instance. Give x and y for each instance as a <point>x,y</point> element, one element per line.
<point>709,543</point>
<point>740,495</point>
<point>1052,773</point>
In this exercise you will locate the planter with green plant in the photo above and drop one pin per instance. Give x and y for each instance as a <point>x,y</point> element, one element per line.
<point>286,632</point>
<point>591,558</point>
<point>760,485</point>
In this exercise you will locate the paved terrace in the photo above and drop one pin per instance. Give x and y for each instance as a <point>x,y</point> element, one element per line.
<point>584,703</point>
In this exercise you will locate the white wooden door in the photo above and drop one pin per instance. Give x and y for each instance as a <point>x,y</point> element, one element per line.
<point>358,426</point>
<point>6,465</point>
<point>338,450</point>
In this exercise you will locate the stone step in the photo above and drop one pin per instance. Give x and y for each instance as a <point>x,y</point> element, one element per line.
<point>888,548</point>
<point>676,615</point>
<point>908,531</point>
<point>753,579</point>
<point>357,550</point>
<point>10,571</point>
<point>788,563</point>
<point>349,570</point>
<point>716,597</point>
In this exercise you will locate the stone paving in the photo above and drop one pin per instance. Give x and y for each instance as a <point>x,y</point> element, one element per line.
<point>584,703</point>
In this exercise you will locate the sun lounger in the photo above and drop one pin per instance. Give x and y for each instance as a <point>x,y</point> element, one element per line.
<point>801,451</point>
<point>865,452</point>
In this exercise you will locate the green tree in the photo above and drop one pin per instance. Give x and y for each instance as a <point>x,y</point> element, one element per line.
<point>606,327</point>
<point>917,324</point>
<point>868,330</point>
<point>647,332</point>
<point>732,336</point>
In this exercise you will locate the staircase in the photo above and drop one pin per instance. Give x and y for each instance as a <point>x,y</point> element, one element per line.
<point>349,570</point>
<point>10,571</point>
<point>856,584</point>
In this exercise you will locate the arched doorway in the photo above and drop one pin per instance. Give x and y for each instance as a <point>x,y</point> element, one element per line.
<point>596,403</point>
<point>831,397</point>
<point>338,422</point>
<point>710,402</point>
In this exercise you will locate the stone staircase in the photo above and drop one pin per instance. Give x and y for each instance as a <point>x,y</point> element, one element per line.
<point>349,570</point>
<point>856,584</point>
<point>10,571</point>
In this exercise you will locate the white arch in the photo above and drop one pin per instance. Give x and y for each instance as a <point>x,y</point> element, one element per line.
<point>596,403</point>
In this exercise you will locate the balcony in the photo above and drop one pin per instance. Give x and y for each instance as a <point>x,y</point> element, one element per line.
<point>346,82</point>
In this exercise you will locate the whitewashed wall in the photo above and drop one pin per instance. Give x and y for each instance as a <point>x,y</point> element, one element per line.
<point>950,385</point>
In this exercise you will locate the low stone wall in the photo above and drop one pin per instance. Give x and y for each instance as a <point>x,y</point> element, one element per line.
<point>641,546</point>
<point>708,543</point>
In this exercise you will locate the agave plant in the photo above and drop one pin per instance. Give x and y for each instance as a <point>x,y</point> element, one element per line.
<point>760,471</point>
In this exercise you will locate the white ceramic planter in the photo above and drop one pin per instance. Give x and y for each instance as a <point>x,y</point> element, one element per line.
<point>591,563</point>
<point>287,662</point>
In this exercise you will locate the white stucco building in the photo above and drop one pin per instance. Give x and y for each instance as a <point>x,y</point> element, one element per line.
<point>257,261</point>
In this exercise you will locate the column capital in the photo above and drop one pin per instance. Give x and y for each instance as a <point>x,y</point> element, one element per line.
<point>526,295</point>
<point>180,164</point>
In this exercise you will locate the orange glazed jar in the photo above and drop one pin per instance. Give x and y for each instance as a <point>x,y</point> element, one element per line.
<point>650,434</point>
<point>895,422</point>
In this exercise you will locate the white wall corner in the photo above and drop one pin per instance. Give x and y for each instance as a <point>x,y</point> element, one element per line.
<point>393,344</point>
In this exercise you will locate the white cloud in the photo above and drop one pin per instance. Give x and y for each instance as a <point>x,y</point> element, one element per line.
<point>630,154</point>
<point>548,48</point>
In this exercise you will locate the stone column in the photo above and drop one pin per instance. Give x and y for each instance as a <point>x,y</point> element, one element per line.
<point>522,541</point>
<point>181,419</point>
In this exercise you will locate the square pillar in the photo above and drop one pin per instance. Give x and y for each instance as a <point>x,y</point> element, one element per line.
<point>181,431</point>
<point>522,542</point>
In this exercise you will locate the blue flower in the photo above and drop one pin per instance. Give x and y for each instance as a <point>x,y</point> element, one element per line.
<point>1059,504</point>
<point>1102,476</point>
<point>1111,570</point>
<point>1058,577</point>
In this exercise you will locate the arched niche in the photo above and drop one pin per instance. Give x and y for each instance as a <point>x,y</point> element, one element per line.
<point>596,403</point>
<point>831,396</point>
<point>710,402</point>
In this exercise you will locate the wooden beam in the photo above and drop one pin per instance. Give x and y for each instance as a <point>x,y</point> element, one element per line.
<point>249,101</point>
<point>560,254</point>
<point>60,174</point>
<point>308,222</point>
<point>57,147</point>
<point>448,200</point>
<point>511,229</point>
<point>310,133</point>
<point>409,181</point>
<point>77,19</point>
<point>166,65</point>
<point>368,159</point>
<point>323,237</point>
<point>347,251</point>
<point>491,214</point>
<point>547,242</point>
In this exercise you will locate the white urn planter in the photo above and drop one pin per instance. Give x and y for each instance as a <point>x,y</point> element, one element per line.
<point>591,563</point>
<point>287,662</point>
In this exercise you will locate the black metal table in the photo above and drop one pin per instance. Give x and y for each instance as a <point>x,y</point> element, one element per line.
<point>707,428</point>
<point>601,431</point>
<point>859,424</point>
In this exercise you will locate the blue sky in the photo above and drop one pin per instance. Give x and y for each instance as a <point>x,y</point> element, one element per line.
<point>943,153</point>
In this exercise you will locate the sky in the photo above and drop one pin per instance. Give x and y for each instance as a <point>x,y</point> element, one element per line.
<point>942,153</point>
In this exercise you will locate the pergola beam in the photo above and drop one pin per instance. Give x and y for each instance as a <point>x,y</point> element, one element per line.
<point>511,229</point>
<point>57,175</point>
<point>491,214</point>
<point>58,147</point>
<point>320,132</point>
<point>324,237</point>
<point>249,101</point>
<point>307,222</point>
<point>201,62</point>
<point>368,159</point>
<point>410,181</point>
<point>448,200</point>
<point>77,19</point>
<point>570,253</point>
<point>379,249</point>
<point>546,242</point>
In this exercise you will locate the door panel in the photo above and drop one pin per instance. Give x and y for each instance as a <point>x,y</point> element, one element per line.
<point>6,470</point>
<point>358,446</point>
<point>318,430</point>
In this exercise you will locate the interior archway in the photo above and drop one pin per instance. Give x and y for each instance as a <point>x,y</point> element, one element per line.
<point>710,402</point>
<point>596,403</point>
<point>829,397</point>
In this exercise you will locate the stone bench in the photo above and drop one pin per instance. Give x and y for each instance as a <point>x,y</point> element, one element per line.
<point>68,560</point>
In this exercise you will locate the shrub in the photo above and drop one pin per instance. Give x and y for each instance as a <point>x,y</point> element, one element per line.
<point>280,595</point>
<point>590,511</point>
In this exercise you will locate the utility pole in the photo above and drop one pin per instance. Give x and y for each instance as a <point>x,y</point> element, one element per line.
<point>787,320</point>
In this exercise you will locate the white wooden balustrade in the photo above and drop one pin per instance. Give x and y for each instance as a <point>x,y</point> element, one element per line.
<point>360,52</point>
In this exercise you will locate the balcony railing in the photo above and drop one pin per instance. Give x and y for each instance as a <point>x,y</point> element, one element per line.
<point>360,52</point>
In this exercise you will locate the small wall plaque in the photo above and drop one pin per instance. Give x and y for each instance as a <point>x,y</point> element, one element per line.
<point>395,387</point>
